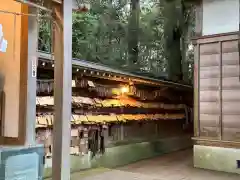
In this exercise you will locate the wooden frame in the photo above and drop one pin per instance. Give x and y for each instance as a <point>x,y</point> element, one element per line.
<point>20,140</point>
<point>201,41</point>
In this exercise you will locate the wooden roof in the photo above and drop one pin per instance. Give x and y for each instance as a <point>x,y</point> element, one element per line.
<point>82,64</point>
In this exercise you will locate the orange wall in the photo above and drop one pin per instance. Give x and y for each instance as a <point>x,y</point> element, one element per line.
<point>10,64</point>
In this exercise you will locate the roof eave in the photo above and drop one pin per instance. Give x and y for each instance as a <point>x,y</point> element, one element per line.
<point>103,68</point>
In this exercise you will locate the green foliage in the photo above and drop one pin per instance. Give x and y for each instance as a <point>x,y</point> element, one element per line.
<point>45,35</point>
<point>128,34</point>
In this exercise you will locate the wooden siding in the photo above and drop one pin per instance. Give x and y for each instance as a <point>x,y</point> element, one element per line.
<point>218,87</point>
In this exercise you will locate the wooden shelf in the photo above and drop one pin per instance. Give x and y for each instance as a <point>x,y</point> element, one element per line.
<point>104,119</point>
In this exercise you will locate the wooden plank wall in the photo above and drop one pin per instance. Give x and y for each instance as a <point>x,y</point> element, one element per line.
<point>209,100</point>
<point>219,88</point>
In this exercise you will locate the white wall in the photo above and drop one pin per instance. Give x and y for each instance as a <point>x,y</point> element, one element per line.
<point>220,16</point>
<point>74,2</point>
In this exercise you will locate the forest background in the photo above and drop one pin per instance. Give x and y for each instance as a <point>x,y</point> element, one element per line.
<point>145,37</point>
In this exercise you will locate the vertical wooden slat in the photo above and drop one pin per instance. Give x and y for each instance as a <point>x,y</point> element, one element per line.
<point>24,75</point>
<point>196,91</point>
<point>220,91</point>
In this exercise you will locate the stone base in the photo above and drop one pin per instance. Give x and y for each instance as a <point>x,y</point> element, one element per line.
<point>21,162</point>
<point>126,154</point>
<point>217,158</point>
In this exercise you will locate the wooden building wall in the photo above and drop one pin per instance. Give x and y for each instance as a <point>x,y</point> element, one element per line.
<point>217,88</point>
<point>13,72</point>
<point>136,132</point>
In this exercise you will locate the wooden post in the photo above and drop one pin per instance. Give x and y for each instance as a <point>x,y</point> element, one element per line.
<point>31,77</point>
<point>196,91</point>
<point>62,89</point>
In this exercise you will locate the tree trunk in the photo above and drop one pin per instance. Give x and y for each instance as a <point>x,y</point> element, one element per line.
<point>172,35</point>
<point>133,26</point>
<point>184,41</point>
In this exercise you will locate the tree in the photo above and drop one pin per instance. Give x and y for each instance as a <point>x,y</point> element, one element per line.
<point>133,28</point>
<point>172,35</point>
<point>141,36</point>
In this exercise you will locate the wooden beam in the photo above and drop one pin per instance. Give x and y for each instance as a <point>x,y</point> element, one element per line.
<point>31,70</point>
<point>62,89</point>
<point>32,4</point>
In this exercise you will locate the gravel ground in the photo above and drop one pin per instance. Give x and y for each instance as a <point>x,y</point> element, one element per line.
<point>174,166</point>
